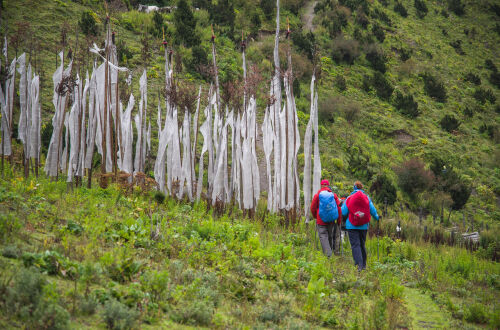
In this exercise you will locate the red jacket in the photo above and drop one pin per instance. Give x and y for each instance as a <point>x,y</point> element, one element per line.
<point>315,207</point>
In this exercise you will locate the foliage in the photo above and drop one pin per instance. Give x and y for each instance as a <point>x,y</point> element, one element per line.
<point>473,78</point>
<point>305,42</point>
<point>185,25</point>
<point>88,24</point>
<point>378,32</point>
<point>421,8</point>
<point>222,14</point>
<point>449,123</point>
<point>413,177</point>
<point>434,87</point>
<point>384,190</point>
<point>400,9</point>
<point>359,164</point>
<point>381,84</point>
<point>158,24</point>
<point>377,59</point>
<point>118,316</point>
<point>456,6</point>
<point>406,104</point>
<point>345,50</point>
<point>482,95</point>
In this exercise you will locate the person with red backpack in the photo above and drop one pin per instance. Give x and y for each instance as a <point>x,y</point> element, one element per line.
<point>359,208</point>
<point>325,206</point>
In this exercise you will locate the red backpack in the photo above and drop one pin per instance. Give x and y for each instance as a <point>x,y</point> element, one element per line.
<point>359,208</point>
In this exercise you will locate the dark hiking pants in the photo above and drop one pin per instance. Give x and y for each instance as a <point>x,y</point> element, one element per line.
<point>357,238</point>
<point>326,235</point>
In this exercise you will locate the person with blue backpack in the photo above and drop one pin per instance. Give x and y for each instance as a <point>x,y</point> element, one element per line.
<point>325,206</point>
<point>359,208</point>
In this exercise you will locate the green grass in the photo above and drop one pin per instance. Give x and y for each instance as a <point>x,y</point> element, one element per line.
<point>223,272</point>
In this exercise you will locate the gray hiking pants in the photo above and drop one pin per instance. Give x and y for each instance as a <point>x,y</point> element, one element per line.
<point>327,235</point>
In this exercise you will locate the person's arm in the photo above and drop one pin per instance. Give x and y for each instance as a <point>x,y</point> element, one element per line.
<point>373,210</point>
<point>315,205</point>
<point>337,200</point>
<point>345,210</point>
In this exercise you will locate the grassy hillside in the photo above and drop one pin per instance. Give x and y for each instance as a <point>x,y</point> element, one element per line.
<point>87,259</point>
<point>409,104</point>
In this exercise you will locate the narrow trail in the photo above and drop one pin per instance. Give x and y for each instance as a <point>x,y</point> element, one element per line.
<point>424,312</point>
<point>308,16</point>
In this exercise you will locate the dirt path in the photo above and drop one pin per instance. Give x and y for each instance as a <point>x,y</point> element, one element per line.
<point>424,312</point>
<point>308,16</point>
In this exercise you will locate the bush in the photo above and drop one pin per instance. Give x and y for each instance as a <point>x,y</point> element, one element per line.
<point>382,85</point>
<point>345,50</point>
<point>404,54</point>
<point>457,45</point>
<point>118,316</point>
<point>476,313</point>
<point>406,105</point>
<point>88,24</point>
<point>361,19</point>
<point>88,305</point>
<point>457,7</point>
<point>11,251</point>
<point>340,83</point>
<point>304,42</point>
<point>421,8</point>
<point>51,316</point>
<point>434,87</point>
<point>473,78</point>
<point>400,9</point>
<point>483,95</point>
<point>377,59</point>
<point>460,193</point>
<point>384,189</point>
<point>449,123</point>
<point>23,298</point>
<point>354,4</point>
<point>337,19</point>
<point>382,16</point>
<point>378,32</point>
<point>197,312</point>
<point>495,79</point>
<point>413,177</point>
<point>359,164</point>
<point>488,64</point>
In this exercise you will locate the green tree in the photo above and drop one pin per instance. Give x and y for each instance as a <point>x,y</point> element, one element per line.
<point>185,25</point>
<point>158,24</point>
<point>268,8</point>
<point>88,24</point>
<point>222,14</point>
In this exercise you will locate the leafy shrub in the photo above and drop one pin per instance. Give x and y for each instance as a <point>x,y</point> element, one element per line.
<point>361,19</point>
<point>434,87</point>
<point>382,85</point>
<point>400,9</point>
<point>384,189</point>
<point>354,4</point>
<point>413,177</point>
<point>406,105</point>
<point>304,42</point>
<point>51,316</point>
<point>377,59</point>
<point>460,193</point>
<point>378,32</point>
<point>336,20</point>
<point>482,95</point>
<point>382,16</point>
<point>88,24</point>
<point>118,316</point>
<point>468,112</point>
<point>457,45</point>
<point>404,54</point>
<point>23,298</point>
<point>492,131</point>
<point>197,312</point>
<point>8,224</point>
<point>11,251</point>
<point>340,83</point>
<point>457,7</point>
<point>123,52</point>
<point>473,78</point>
<point>421,8</point>
<point>359,164</point>
<point>495,79</point>
<point>488,64</point>
<point>476,313</point>
<point>449,123</point>
<point>345,50</point>
<point>88,305</point>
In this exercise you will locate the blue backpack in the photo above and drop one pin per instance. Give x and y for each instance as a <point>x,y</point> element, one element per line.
<point>328,211</point>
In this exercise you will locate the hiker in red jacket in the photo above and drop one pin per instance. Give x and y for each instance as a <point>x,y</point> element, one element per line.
<point>325,206</point>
